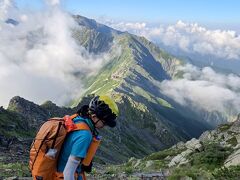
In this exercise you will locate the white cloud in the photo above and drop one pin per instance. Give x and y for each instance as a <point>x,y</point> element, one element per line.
<point>53,2</point>
<point>205,89</point>
<point>40,60</point>
<point>7,9</point>
<point>190,38</point>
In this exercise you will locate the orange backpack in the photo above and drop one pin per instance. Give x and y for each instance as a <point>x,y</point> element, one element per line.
<point>47,144</point>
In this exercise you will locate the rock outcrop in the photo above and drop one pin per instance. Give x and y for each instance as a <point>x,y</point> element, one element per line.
<point>233,159</point>
<point>194,145</point>
<point>33,113</point>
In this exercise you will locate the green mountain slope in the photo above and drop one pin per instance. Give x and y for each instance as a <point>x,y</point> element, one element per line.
<point>132,77</point>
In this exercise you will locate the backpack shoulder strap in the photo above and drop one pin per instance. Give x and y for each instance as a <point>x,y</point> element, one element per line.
<point>81,126</point>
<point>73,116</point>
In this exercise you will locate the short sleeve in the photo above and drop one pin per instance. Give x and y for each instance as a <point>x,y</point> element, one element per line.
<point>81,143</point>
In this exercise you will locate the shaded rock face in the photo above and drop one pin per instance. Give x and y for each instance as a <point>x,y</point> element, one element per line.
<point>1,109</point>
<point>55,111</point>
<point>95,37</point>
<point>33,113</point>
<point>36,114</point>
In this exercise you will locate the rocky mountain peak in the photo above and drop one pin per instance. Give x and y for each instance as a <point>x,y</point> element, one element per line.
<point>18,102</point>
<point>21,105</point>
<point>29,110</point>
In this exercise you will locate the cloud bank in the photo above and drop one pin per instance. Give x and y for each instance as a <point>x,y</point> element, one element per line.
<point>39,59</point>
<point>204,89</point>
<point>187,37</point>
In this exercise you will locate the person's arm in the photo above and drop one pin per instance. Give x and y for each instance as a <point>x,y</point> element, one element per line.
<point>71,167</point>
<point>79,151</point>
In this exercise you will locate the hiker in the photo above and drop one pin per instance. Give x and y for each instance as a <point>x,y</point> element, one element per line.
<point>64,147</point>
<point>101,111</point>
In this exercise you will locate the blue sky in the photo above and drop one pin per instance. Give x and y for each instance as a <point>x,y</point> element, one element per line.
<point>155,11</point>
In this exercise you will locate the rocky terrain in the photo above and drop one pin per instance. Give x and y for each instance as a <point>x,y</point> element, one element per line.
<point>212,151</point>
<point>215,155</point>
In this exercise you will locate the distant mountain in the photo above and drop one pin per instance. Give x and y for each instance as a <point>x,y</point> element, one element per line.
<point>218,64</point>
<point>12,21</point>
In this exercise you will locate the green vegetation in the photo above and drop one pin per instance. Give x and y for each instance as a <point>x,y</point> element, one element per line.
<point>164,103</point>
<point>224,127</point>
<point>16,169</point>
<point>189,171</point>
<point>207,164</point>
<point>111,75</point>
<point>11,125</point>
<point>212,157</point>
<point>231,173</point>
<point>232,141</point>
<point>164,153</point>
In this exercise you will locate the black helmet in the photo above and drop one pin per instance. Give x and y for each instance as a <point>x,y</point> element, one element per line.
<point>83,111</point>
<point>104,108</point>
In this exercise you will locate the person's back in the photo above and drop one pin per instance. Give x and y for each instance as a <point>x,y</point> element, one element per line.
<point>102,111</point>
<point>75,145</point>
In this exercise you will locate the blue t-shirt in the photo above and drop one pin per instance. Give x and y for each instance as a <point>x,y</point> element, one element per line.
<point>76,144</point>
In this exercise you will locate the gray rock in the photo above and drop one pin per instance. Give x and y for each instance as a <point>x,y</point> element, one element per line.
<point>233,159</point>
<point>192,146</point>
<point>149,163</point>
<point>195,145</point>
<point>187,152</point>
<point>180,158</point>
<point>237,146</point>
<point>179,145</point>
<point>137,163</point>
<point>209,136</point>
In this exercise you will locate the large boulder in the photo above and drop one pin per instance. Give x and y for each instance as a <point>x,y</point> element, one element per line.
<point>208,136</point>
<point>180,158</point>
<point>194,145</point>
